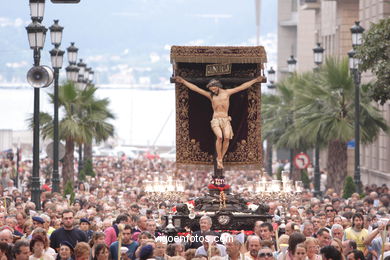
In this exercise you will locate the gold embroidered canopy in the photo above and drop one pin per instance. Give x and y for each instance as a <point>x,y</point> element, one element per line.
<point>195,141</point>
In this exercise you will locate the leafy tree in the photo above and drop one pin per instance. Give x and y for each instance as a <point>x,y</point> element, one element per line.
<point>349,187</point>
<point>88,168</point>
<point>318,107</point>
<point>325,110</point>
<point>68,190</point>
<point>84,119</point>
<point>375,56</point>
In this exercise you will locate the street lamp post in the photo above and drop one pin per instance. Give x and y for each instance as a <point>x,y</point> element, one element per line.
<point>81,82</point>
<point>357,32</point>
<point>36,37</point>
<point>72,71</point>
<point>318,52</point>
<point>56,61</point>
<point>271,86</point>
<point>292,65</point>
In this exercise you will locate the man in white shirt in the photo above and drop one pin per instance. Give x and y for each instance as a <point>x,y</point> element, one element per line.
<point>210,240</point>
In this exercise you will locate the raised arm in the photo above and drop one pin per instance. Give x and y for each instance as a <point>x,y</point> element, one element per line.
<point>245,85</point>
<point>192,86</point>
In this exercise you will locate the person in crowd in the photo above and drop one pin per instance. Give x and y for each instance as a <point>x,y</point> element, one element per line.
<point>85,225</point>
<point>290,228</point>
<point>337,231</point>
<point>6,236</point>
<point>348,246</point>
<point>43,234</point>
<point>257,227</point>
<point>374,239</point>
<point>265,253</point>
<point>159,250</point>
<point>97,238</point>
<point>330,253</point>
<point>67,233</point>
<point>323,236</point>
<point>253,246</point>
<point>205,224</point>
<point>338,244</point>
<point>37,222</point>
<point>356,255</point>
<point>356,232</point>
<point>113,231</point>
<point>82,251</point>
<point>295,239</point>
<point>101,252</point>
<point>233,247</point>
<point>66,251</point>
<point>312,248</point>
<point>37,247</point>
<point>210,240</point>
<point>126,242</point>
<point>21,250</point>
<point>146,252</point>
<point>300,252</point>
<point>308,229</point>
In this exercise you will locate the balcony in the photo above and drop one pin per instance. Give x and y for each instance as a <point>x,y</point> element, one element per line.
<point>310,4</point>
<point>292,21</point>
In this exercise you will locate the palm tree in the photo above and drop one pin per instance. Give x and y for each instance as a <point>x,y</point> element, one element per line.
<point>278,115</point>
<point>95,118</point>
<point>325,110</point>
<point>84,118</point>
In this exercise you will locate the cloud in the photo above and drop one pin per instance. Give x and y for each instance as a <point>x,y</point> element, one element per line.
<point>115,58</point>
<point>16,65</point>
<point>7,22</point>
<point>102,69</point>
<point>125,51</point>
<point>198,42</point>
<point>154,57</point>
<point>96,58</point>
<point>270,44</point>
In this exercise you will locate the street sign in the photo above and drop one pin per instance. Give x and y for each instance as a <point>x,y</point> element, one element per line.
<point>65,1</point>
<point>61,150</point>
<point>301,161</point>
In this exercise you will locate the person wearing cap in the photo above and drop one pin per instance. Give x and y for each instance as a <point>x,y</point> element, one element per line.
<point>68,232</point>
<point>37,222</point>
<point>66,251</point>
<point>146,252</point>
<point>85,226</point>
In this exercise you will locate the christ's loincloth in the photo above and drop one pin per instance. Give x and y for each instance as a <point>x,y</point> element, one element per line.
<point>224,124</point>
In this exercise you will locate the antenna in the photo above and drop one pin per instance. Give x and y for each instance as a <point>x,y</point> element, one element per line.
<point>258,13</point>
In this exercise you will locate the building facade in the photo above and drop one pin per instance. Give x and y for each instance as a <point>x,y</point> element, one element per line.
<point>301,24</point>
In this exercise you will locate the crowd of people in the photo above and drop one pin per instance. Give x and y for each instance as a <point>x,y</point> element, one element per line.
<point>112,217</point>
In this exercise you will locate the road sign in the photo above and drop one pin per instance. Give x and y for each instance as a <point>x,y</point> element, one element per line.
<point>61,150</point>
<point>301,161</point>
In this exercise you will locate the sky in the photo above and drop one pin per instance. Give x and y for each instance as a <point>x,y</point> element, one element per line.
<point>127,42</point>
